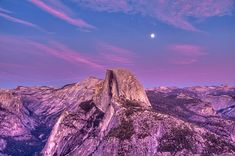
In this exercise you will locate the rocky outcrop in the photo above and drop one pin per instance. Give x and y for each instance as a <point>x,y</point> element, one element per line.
<point>74,131</point>
<point>121,84</point>
<point>112,117</point>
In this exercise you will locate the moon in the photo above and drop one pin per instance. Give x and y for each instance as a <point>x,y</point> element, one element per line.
<point>152,35</point>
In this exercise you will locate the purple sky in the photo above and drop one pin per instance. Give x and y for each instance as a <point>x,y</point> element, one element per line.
<point>54,42</point>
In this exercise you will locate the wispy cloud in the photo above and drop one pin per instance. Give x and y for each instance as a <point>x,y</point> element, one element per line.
<point>50,48</point>
<point>185,54</point>
<point>6,75</point>
<point>20,21</point>
<point>5,10</point>
<point>115,54</point>
<point>185,61</point>
<point>173,12</point>
<point>58,10</point>
<point>187,49</point>
<point>67,54</point>
<point>11,65</point>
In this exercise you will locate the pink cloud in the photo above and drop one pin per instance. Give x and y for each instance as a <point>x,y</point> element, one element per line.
<point>187,49</point>
<point>9,42</point>
<point>67,54</point>
<point>115,54</point>
<point>184,61</point>
<point>172,12</point>
<point>5,10</point>
<point>185,54</point>
<point>7,75</point>
<point>11,65</point>
<point>20,21</point>
<point>58,10</point>
<point>52,48</point>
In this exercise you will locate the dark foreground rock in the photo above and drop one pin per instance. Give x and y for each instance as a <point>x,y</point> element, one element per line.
<point>113,117</point>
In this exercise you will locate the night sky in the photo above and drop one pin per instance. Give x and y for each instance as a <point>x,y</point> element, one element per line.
<point>164,42</point>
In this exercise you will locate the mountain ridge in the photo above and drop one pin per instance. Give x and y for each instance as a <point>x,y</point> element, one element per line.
<point>116,116</point>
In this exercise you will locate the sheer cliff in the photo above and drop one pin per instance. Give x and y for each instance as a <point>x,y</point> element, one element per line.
<point>114,116</point>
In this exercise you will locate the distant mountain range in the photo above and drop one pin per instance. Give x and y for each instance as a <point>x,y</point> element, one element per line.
<point>117,116</point>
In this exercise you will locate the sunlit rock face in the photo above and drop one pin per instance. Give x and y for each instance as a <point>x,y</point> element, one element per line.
<point>121,84</point>
<point>116,116</point>
<point>80,132</point>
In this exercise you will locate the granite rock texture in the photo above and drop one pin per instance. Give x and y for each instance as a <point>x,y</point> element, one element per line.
<point>116,116</point>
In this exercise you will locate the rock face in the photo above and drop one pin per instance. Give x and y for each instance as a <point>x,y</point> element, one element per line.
<point>113,117</point>
<point>80,132</point>
<point>121,84</point>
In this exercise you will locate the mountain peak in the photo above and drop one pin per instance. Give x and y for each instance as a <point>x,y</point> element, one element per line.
<point>122,84</point>
<point>114,117</point>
